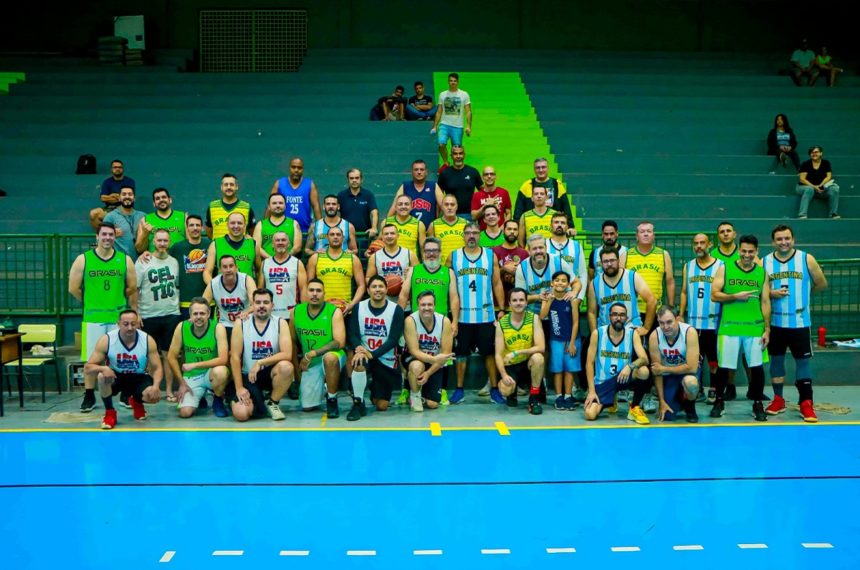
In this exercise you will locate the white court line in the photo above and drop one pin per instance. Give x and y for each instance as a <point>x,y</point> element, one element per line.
<point>688,547</point>
<point>495,551</point>
<point>295,552</point>
<point>560,550</point>
<point>625,549</point>
<point>168,556</point>
<point>753,546</point>
<point>361,553</point>
<point>228,553</point>
<point>816,545</point>
<point>427,552</point>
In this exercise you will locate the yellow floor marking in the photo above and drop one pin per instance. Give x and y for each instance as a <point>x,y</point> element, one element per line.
<point>502,428</point>
<point>435,428</point>
<point>324,420</point>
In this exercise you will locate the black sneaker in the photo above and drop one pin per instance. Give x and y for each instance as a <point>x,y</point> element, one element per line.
<point>731,393</point>
<point>357,412</point>
<point>89,402</point>
<point>203,405</point>
<point>718,409</point>
<point>758,411</point>
<point>535,408</point>
<point>511,400</point>
<point>331,409</point>
<point>123,401</point>
<point>293,391</point>
<point>690,409</point>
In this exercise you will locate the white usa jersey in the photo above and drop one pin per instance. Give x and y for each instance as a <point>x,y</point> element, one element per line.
<point>474,279</point>
<point>572,261</point>
<point>259,344</point>
<point>320,233</point>
<point>124,359</point>
<point>702,312</point>
<point>612,357</point>
<point>375,329</point>
<point>536,281</point>
<point>792,275</point>
<point>230,302</point>
<point>282,279</point>
<point>675,353</point>
<point>429,340</point>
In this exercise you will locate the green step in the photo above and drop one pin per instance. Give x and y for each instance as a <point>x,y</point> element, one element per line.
<point>8,78</point>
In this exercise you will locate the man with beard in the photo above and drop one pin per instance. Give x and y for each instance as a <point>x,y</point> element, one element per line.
<point>727,249</point>
<point>318,330</point>
<point>318,235</point>
<point>538,220</point>
<point>431,275</point>
<point>125,220</point>
<point>609,235</point>
<point>191,256</point>
<point>490,195</point>
<point>300,194</point>
<point>697,308</point>
<point>236,244</point>
<point>374,331</point>
<point>276,221</point>
<point>109,194</point>
<point>338,270</point>
<point>618,285</point>
<point>556,196</point>
<point>231,291</point>
<point>492,234</point>
<point>218,213</point>
<point>478,284</point>
<point>425,196</point>
<point>616,358</point>
<point>391,260</point>
<point>358,204</point>
<point>569,251</point>
<point>284,275</point>
<point>411,230</point>
<point>674,351</point>
<point>449,228</point>
<point>429,341</point>
<point>509,256</point>
<point>163,218</point>
<point>535,275</point>
<point>461,181</point>
<point>520,347</point>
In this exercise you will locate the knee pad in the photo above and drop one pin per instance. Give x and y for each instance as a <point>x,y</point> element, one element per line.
<point>804,370</point>
<point>777,365</point>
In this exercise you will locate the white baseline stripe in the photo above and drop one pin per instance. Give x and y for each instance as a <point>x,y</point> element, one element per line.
<point>688,547</point>
<point>427,552</point>
<point>228,553</point>
<point>625,549</point>
<point>168,556</point>
<point>361,553</point>
<point>295,552</point>
<point>816,545</point>
<point>495,551</point>
<point>753,546</point>
<point>560,550</point>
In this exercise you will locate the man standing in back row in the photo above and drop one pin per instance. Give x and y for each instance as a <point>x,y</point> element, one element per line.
<point>556,194</point>
<point>453,117</point>
<point>300,193</point>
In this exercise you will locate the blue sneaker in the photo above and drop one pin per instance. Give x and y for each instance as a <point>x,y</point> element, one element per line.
<point>497,397</point>
<point>457,396</point>
<point>570,404</point>
<point>559,402</point>
<point>219,408</point>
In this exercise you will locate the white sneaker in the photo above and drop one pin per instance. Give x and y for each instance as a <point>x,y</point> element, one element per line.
<point>485,391</point>
<point>274,411</point>
<point>521,392</point>
<point>416,402</point>
<point>649,403</point>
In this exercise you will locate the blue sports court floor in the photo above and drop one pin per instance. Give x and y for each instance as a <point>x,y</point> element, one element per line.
<point>778,495</point>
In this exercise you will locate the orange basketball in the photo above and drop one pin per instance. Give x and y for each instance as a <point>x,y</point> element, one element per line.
<point>395,283</point>
<point>374,246</point>
<point>339,303</point>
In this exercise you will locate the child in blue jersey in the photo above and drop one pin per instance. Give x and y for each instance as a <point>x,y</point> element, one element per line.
<point>562,308</point>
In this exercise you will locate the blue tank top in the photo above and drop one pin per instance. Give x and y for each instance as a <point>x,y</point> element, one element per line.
<point>560,320</point>
<point>423,201</point>
<point>298,201</point>
<point>792,275</point>
<point>623,292</point>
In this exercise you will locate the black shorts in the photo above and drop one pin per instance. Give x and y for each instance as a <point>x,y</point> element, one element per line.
<point>432,389</point>
<point>796,340</point>
<point>384,380</point>
<point>161,329</point>
<point>255,389</point>
<point>708,347</point>
<point>131,385</point>
<point>521,374</point>
<point>472,336</point>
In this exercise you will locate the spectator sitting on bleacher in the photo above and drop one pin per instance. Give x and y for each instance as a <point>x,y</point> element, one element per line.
<point>824,63</point>
<point>803,63</point>
<point>219,210</point>
<point>390,107</point>
<point>420,106</point>
<point>816,181</point>
<point>782,144</point>
<point>110,192</point>
<point>126,221</point>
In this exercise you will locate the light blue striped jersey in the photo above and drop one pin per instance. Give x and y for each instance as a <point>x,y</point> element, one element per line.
<point>572,260</point>
<point>702,313</point>
<point>611,357</point>
<point>534,281</point>
<point>595,258</point>
<point>320,232</point>
<point>474,277</point>
<point>791,312</point>
<point>623,292</point>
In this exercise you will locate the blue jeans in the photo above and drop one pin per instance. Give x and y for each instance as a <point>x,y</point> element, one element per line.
<point>807,193</point>
<point>413,113</point>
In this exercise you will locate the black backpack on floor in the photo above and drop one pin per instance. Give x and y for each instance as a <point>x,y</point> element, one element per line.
<point>86,164</point>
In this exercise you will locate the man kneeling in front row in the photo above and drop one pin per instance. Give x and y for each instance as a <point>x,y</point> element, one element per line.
<point>120,361</point>
<point>520,348</point>
<point>674,348</point>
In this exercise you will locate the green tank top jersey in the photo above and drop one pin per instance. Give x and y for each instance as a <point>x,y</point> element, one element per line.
<point>198,349</point>
<point>486,241</point>
<point>268,231</point>
<point>104,287</point>
<point>314,332</point>
<point>438,281</point>
<point>244,254</point>
<point>727,259</point>
<point>743,318</point>
<point>175,224</point>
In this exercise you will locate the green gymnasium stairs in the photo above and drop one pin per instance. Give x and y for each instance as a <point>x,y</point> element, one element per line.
<point>7,78</point>
<point>506,132</point>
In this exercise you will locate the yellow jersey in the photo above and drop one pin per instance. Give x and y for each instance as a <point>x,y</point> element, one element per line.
<point>451,235</point>
<point>336,275</point>
<point>520,338</point>
<point>407,232</point>
<point>538,224</point>
<point>652,268</point>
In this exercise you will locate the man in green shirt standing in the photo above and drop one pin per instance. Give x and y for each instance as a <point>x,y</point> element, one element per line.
<point>743,289</point>
<point>237,244</point>
<point>275,222</point>
<point>105,280</point>
<point>319,333</point>
<point>163,218</point>
<point>492,235</point>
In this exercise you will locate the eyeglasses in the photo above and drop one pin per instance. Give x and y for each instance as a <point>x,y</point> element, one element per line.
<point>431,252</point>
<point>617,314</point>
<point>489,174</point>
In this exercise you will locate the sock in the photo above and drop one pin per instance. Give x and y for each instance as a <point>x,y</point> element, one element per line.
<point>330,396</point>
<point>756,387</point>
<point>108,402</point>
<point>359,383</point>
<point>719,381</point>
<point>640,388</point>
<point>271,401</point>
<point>90,392</point>
<point>415,394</point>
<point>777,388</point>
<point>804,389</point>
<point>534,391</point>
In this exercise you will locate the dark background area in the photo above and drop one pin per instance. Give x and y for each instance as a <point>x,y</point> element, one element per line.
<point>663,25</point>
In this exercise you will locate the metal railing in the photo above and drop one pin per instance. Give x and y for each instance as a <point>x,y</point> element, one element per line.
<point>34,272</point>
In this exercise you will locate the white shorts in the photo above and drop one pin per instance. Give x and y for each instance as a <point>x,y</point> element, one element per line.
<point>198,384</point>
<point>312,390</point>
<point>90,335</point>
<point>729,347</point>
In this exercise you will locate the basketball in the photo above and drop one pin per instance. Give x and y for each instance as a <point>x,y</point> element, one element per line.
<point>339,303</point>
<point>374,246</point>
<point>395,283</point>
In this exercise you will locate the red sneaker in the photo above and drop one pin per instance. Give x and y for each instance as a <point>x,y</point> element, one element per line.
<point>777,406</point>
<point>807,411</point>
<point>137,408</point>
<point>109,421</point>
